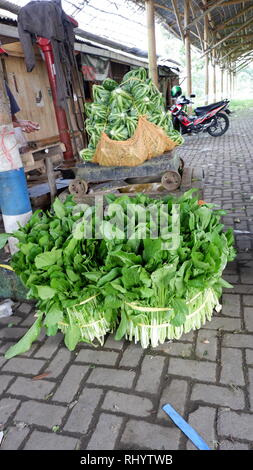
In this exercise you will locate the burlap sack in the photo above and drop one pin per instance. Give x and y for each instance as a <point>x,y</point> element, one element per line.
<point>147,142</point>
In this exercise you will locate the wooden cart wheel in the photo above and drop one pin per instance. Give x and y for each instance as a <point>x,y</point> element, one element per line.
<point>171,180</point>
<point>78,187</point>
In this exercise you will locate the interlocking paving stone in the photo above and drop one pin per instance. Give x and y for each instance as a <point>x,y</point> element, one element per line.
<point>25,308</point>
<point>71,383</point>
<point>175,394</point>
<point>91,356</point>
<point>131,356</point>
<point>4,382</point>
<point>50,441</point>
<point>248,318</point>
<point>59,362</point>
<point>106,433</point>
<point>111,377</point>
<point>31,388</point>
<point>194,369</point>
<point>42,414</point>
<point>248,300</point>
<point>249,357</point>
<point>12,333</point>
<point>203,421</point>
<point>223,323</point>
<point>188,336</point>
<point>235,425</point>
<point>204,349</point>
<point>232,367</point>
<point>251,388</point>
<point>2,361</point>
<point>82,413</point>
<point>151,371</point>
<point>231,305</point>
<point>175,349</point>
<point>49,347</point>
<point>7,407</point>
<point>14,438</point>
<point>28,321</point>
<point>23,365</point>
<point>4,345</point>
<point>232,445</point>
<point>142,435</point>
<point>111,343</point>
<point>218,395</point>
<point>128,404</point>
<point>238,340</point>
<point>12,320</point>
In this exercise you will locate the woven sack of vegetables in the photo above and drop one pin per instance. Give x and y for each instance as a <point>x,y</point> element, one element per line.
<point>147,142</point>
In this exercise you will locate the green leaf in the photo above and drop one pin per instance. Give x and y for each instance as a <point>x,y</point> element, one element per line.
<point>45,292</point>
<point>4,238</point>
<point>122,327</point>
<point>70,248</point>
<point>72,275</point>
<point>54,315</point>
<point>109,277</point>
<point>128,259</point>
<point>59,208</point>
<point>48,258</point>
<point>25,343</point>
<point>180,312</point>
<point>72,336</point>
<point>52,330</point>
<point>226,284</point>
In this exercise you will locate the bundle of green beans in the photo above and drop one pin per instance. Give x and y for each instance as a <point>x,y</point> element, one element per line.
<point>116,108</point>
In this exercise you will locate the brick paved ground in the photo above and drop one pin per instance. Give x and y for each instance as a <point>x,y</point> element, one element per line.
<point>111,397</point>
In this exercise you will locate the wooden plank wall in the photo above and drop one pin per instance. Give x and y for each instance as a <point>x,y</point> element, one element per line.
<point>32,92</point>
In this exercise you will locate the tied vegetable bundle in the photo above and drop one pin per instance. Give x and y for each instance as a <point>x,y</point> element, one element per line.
<point>116,108</point>
<point>130,278</point>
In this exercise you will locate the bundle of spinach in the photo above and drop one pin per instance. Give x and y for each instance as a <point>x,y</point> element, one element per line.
<point>131,278</point>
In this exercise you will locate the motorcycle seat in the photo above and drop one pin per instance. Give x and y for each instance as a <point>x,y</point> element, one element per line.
<point>210,107</point>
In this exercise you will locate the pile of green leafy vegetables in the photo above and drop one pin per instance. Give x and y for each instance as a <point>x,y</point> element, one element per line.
<point>129,284</point>
<point>116,108</point>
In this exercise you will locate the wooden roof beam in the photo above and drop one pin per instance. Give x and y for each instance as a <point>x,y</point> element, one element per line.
<point>176,13</point>
<point>233,33</point>
<point>241,12</point>
<point>234,2</point>
<point>208,10</point>
<point>201,39</point>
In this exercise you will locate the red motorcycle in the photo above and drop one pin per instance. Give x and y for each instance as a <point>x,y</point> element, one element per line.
<point>212,118</point>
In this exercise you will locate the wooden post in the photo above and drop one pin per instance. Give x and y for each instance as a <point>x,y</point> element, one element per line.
<point>222,82</point>
<point>214,78</point>
<point>5,112</point>
<point>187,47</point>
<point>151,41</point>
<point>231,84</point>
<point>206,58</point>
<point>227,83</point>
<point>51,177</point>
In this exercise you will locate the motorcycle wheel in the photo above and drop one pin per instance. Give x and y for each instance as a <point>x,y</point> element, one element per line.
<point>220,126</point>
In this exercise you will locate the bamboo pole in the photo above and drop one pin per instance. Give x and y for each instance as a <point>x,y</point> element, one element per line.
<point>214,78</point>
<point>206,59</point>
<point>150,10</point>
<point>222,82</point>
<point>176,13</point>
<point>187,47</point>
